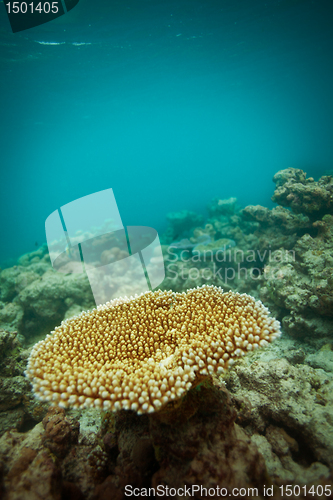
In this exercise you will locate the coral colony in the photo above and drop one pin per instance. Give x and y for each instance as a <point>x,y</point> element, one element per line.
<point>142,353</point>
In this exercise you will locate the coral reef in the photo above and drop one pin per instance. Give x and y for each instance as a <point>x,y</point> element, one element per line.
<point>195,443</point>
<point>266,421</point>
<point>287,411</point>
<point>304,284</point>
<point>104,358</point>
<point>273,430</point>
<point>282,255</point>
<point>280,217</point>
<point>219,246</point>
<point>303,195</point>
<point>34,297</point>
<point>222,207</point>
<point>300,287</point>
<point>180,223</point>
<point>18,408</point>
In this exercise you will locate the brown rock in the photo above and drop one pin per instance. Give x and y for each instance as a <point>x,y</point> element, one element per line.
<point>282,444</point>
<point>60,432</point>
<point>302,195</point>
<point>41,479</point>
<point>143,454</point>
<point>22,463</point>
<point>110,488</point>
<point>71,491</point>
<point>199,443</point>
<point>110,443</point>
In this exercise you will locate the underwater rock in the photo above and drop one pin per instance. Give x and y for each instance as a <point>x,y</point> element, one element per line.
<point>12,382</point>
<point>182,222</point>
<point>302,284</point>
<point>277,448</point>
<point>73,310</point>
<point>183,275</point>
<point>298,399</point>
<point>34,297</point>
<point>315,330</point>
<point>46,297</point>
<point>206,230</point>
<point>278,217</point>
<point>222,207</point>
<point>289,175</point>
<point>302,195</point>
<point>41,464</point>
<point>46,301</point>
<point>30,471</point>
<point>11,316</point>
<point>194,441</point>
<point>257,233</point>
<point>199,444</point>
<point>12,391</point>
<point>16,278</point>
<point>60,432</point>
<point>202,245</point>
<point>214,247</point>
<point>41,254</point>
<point>17,406</point>
<point>321,359</point>
<point>9,344</point>
<point>8,283</point>
<point>91,423</point>
<point>190,244</point>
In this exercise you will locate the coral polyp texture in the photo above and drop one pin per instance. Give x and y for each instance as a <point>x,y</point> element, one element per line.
<point>144,352</point>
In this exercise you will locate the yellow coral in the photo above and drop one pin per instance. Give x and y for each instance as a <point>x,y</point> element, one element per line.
<point>143,352</point>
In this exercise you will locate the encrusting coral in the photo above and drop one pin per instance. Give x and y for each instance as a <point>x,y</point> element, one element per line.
<point>144,352</point>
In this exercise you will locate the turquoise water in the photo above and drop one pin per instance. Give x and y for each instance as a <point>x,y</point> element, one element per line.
<point>168,103</point>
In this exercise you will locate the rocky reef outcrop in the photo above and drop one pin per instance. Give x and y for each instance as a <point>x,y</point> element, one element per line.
<point>34,297</point>
<point>302,195</point>
<point>286,409</point>
<point>301,286</point>
<point>284,255</point>
<point>193,443</point>
<point>18,408</point>
<point>268,424</point>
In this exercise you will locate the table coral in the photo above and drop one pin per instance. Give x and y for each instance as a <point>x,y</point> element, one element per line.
<point>142,353</point>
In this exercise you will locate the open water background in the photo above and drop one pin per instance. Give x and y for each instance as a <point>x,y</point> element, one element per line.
<point>170,103</point>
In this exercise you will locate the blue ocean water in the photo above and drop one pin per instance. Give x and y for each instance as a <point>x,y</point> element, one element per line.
<point>169,103</point>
